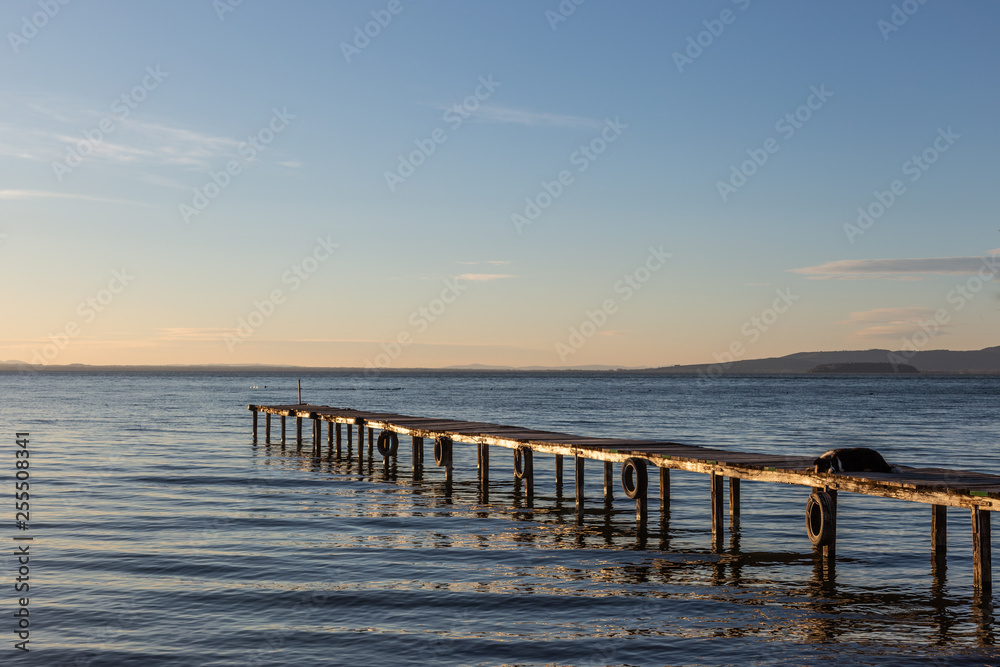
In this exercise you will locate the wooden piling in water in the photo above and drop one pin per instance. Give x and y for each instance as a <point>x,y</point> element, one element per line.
<point>267,428</point>
<point>255,426</point>
<point>982,563</point>
<point>939,531</point>
<point>717,511</point>
<point>664,490</point>
<point>559,469</point>
<point>609,481</point>
<point>734,504</point>
<point>337,438</point>
<point>578,475</point>
<point>316,432</point>
<point>418,451</point>
<point>282,429</point>
<point>298,431</point>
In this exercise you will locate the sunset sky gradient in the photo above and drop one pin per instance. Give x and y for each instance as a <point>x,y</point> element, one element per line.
<point>516,183</point>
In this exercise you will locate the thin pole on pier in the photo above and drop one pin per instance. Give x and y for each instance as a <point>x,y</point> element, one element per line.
<point>578,470</point>
<point>982,557</point>
<point>255,426</point>
<point>267,427</point>
<point>609,481</point>
<point>559,477</point>
<point>282,429</point>
<point>664,490</point>
<point>300,392</point>
<point>717,511</point>
<point>734,504</point>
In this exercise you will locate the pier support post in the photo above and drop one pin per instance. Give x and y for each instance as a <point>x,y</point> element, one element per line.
<point>338,438</point>
<point>418,451</point>
<point>371,441</point>
<point>982,557</point>
<point>559,478</point>
<point>939,531</point>
<point>350,438</point>
<point>578,470</point>
<point>664,490</point>
<point>609,481</point>
<point>717,511</point>
<point>329,433</point>
<point>734,504</point>
<point>316,432</point>
<point>484,471</point>
<point>298,431</point>
<point>254,425</point>
<point>282,429</point>
<point>267,428</point>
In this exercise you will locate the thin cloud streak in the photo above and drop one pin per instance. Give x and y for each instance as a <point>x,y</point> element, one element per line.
<point>42,194</point>
<point>495,114</point>
<point>853,269</point>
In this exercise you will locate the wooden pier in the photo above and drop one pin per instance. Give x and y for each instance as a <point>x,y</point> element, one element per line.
<point>941,488</point>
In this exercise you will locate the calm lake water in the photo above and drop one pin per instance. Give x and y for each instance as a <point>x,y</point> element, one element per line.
<point>164,536</point>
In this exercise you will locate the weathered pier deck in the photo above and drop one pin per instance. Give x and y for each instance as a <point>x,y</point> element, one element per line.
<point>941,488</point>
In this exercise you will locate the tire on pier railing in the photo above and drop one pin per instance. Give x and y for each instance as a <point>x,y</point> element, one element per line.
<point>442,450</point>
<point>820,518</point>
<point>522,461</point>
<point>635,479</point>
<point>388,443</point>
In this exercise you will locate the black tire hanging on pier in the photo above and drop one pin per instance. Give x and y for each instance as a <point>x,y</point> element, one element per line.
<point>820,518</point>
<point>635,478</point>
<point>522,461</point>
<point>388,443</point>
<point>442,450</point>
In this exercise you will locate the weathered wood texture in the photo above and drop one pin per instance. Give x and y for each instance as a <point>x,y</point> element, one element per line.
<point>952,488</point>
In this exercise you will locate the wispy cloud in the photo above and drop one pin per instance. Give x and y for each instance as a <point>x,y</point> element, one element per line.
<point>890,322</point>
<point>43,194</point>
<point>495,114</point>
<point>484,277</point>
<point>897,269</point>
<point>491,262</point>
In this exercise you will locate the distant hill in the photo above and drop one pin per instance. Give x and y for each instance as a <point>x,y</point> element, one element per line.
<point>864,368</point>
<point>931,361</point>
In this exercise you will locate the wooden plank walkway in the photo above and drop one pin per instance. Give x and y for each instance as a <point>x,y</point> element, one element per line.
<point>979,492</point>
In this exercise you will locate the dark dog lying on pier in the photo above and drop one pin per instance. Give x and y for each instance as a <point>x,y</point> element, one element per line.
<point>855,459</point>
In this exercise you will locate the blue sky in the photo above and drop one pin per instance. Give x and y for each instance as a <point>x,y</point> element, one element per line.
<point>434,271</point>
